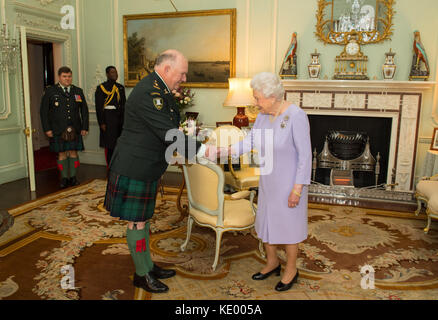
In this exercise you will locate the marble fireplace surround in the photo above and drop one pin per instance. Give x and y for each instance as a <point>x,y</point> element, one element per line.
<point>399,100</point>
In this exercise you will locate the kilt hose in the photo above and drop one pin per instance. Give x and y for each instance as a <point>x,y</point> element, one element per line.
<point>57,144</point>
<point>129,199</point>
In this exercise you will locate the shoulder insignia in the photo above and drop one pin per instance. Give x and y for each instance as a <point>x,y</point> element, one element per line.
<point>158,103</point>
<point>155,85</point>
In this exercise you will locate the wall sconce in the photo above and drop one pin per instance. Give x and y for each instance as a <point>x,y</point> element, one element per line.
<point>239,95</point>
<point>8,49</point>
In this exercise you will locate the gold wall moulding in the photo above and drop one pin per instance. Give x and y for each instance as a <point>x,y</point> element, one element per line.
<point>336,20</point>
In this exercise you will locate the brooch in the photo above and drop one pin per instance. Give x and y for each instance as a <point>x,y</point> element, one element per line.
<point>56,103</point>
<point>284,122</point>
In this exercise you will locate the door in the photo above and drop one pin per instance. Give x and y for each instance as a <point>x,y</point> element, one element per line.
<point>27,113</point>
<point>41,75</point>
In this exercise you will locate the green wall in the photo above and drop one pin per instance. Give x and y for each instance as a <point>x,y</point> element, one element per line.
<point>261,47</point>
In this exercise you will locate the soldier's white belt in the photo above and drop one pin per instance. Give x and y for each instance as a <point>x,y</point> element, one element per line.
<point>109,107</point>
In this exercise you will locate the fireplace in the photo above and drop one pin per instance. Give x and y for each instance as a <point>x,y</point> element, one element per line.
<point>390,111</point>
<point>355,132</point>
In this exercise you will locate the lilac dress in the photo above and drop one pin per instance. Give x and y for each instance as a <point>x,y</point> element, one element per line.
<point>285,154</point>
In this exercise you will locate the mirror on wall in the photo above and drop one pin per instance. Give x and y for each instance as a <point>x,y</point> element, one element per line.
<point>338,19</point>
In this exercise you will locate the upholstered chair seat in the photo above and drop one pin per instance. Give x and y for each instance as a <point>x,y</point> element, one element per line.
<point>209,208</point>
<point>246,177</point>
<point>427,193</point>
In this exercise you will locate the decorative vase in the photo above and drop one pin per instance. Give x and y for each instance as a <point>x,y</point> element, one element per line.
<point>314,66</point>
<point>240,119</point>
<point>389,67</point>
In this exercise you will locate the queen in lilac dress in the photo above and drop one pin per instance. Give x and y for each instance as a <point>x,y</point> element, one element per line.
<point>281,135</point>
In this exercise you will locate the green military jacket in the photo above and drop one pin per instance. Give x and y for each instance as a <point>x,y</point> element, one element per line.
<point>58,110</point>
<point>150,112</point>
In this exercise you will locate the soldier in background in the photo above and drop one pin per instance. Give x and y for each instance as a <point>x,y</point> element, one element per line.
<point>64,116</point>
<point>110,107</point>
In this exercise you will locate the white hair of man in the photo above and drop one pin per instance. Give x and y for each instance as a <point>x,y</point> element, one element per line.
<point>169,56</point>
<point>268,84</point>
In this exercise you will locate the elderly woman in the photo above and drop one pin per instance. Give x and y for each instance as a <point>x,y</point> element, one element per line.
<point>281,135</point>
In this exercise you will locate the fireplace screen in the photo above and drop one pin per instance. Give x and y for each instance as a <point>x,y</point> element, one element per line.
<point>350,150</point>
<point>345,152</point>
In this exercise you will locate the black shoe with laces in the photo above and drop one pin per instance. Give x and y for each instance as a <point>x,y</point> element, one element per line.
<point>73,182</point>
<point>64,183</point>
<point>161,273</point>
<point>150,283</point>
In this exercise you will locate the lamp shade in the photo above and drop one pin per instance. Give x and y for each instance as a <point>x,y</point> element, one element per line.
<point>239,93</point>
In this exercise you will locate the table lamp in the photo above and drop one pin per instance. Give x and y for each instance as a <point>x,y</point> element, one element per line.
<point>240,96</point>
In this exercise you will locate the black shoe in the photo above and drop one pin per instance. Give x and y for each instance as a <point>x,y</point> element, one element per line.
<point>263,276</point>
<point>161,273</point>
<point>73,182</point>
<point>64,183</point>
<point>283,287</point>
<point>150,283</point>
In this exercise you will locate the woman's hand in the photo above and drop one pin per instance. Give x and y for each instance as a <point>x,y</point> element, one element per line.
<point>294,196</point>
<point>212,153</point>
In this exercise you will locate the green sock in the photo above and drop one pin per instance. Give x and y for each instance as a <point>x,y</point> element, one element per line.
<point>139,250</point>
<point>149,261</point>
<point>63,167</point>
<point>73,164</point>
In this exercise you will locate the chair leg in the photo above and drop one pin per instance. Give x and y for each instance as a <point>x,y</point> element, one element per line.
<point>418,208</point>
<point>189,231</point>
<point>426,230</point>
<point>262,249</point>
<point>218,247</point>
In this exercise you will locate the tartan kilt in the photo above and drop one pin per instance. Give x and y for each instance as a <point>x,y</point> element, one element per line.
<point>57,144</point>
<point>130,199</point>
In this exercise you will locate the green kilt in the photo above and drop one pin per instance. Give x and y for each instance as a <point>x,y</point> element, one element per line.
<point>130,199</point>
<point>57,144</point>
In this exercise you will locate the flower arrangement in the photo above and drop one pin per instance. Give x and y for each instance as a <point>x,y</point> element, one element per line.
<point>188,127</point>
<point>184,98</point>
<point>192,127</point>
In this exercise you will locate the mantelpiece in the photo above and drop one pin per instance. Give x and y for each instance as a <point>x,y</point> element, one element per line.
<point>399,100</point>
<point>375,85</point>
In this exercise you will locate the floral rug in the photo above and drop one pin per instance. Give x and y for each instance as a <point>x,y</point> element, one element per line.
<point>68,235</point>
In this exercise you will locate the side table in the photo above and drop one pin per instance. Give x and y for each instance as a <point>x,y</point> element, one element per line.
<point>431,163</point>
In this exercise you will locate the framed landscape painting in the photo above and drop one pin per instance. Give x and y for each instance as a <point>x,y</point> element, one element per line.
<point>206,38</point>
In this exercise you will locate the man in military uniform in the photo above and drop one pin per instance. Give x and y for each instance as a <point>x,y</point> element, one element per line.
<point>139,161</point>
<point>64,116</point>
<point>110,106</point>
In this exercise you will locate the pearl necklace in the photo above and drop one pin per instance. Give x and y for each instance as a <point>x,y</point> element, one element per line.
<point>272,119</point>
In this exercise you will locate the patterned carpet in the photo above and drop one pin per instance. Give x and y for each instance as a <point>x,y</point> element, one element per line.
<point>72,228</point>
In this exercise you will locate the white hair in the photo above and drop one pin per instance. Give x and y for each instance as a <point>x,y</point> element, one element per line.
<point>268,84</point>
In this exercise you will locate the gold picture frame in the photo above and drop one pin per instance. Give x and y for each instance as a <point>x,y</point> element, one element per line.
<point>326,23</point>
<point>206,37</point>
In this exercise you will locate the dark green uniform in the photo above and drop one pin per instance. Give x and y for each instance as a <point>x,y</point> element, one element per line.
<point>140,151</point>
<point>59,110</point>
<point>112,95</point>
<point>137,164</point>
